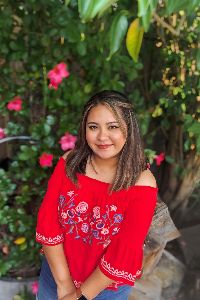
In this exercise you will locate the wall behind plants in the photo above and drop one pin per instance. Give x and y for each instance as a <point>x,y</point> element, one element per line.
<point>35,36</point>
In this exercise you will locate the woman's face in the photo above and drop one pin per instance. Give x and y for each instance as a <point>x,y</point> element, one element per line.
<point>104,134</point>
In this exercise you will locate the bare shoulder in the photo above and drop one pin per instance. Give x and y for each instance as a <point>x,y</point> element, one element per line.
<point>66,154</point>
<point>147,178</point>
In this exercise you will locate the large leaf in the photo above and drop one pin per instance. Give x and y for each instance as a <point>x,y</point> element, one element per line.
<point>117,32</point>
<point>145,10</point>
<point>142,7</point>
<point>175,6</point>
<point>198,59</point>
<point>88,9</point>
<point>153,4</point>
<point>146,19</point>
<point>100,6</point>
<point>85,8</point>
<point>134,39</point>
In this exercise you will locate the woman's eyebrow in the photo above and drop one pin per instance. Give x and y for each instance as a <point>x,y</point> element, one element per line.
<point>114,122</point>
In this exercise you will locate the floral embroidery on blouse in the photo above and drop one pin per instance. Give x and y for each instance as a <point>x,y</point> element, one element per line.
<point>88,223</point>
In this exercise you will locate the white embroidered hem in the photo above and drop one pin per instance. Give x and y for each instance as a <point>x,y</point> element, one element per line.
<point>50,240</point>
<point>119,273</point>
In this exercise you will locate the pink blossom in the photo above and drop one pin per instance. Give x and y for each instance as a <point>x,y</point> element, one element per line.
<point>15,104</point>
<point>34,287</point>
<point>57,74</point>
<point>2,133</point>
<point>159,158</point>
<point>45,160</point>
<point>67,141</point>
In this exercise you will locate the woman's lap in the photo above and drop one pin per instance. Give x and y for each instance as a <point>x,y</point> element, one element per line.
<point>47,287</point>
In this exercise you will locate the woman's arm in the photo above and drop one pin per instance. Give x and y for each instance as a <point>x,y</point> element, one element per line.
<point>95,283</point>
<point>60,271</point>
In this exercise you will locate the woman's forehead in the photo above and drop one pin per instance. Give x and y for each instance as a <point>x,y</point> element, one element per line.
<point>101,112</point>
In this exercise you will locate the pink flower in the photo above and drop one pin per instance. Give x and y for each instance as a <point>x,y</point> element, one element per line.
<point>45,160</point>
<point>159,158</point>
<point>2,133</point>
<point>57,74</point>
<point>34,287</point>
<point>67,141</point>
<point>15,104</point>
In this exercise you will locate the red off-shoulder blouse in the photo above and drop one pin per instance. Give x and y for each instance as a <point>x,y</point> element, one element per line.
<point>96,228</point>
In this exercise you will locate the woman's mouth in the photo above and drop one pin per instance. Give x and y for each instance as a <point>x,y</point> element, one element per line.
<point>103,146</point>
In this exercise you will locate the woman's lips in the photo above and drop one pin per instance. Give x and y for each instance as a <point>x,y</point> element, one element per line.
<point>103,146</point>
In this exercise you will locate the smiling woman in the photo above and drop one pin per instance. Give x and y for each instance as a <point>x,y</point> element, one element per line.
<point>98,207</point>
<point>104,136</point>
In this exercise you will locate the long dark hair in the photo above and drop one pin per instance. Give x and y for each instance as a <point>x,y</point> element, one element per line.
<point>132,158</point>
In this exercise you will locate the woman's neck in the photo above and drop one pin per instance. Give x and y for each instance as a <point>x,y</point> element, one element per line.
<point>103,165</point>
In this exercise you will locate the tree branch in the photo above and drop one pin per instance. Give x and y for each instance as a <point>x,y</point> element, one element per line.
<point>166,25</point>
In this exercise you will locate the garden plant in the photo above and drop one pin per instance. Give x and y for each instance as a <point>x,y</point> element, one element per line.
<point>53,56</point>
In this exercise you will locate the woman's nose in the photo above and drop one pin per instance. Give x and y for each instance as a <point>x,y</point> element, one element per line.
<point>102,134</point>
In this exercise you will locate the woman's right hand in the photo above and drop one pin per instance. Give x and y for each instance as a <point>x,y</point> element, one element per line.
<point>65,292</point>
<point>71,296</point>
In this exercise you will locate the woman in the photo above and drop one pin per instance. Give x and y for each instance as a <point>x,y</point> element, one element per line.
<point>98,207</point>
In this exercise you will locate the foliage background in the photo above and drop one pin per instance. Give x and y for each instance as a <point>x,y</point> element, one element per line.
<point>163,86</point>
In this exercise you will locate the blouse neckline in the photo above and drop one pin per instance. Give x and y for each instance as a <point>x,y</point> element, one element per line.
<point>107,183</point>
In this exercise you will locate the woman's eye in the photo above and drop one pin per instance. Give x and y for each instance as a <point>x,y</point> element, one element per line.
<point>92,127</point>
<point>113,127</point>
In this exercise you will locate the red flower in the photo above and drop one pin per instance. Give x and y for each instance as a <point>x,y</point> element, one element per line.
<point>34,287</point>
<point>57,74</point>
<point>2,133</point>
<point>45,160</point>
<point>159,158</point>
<point>15,104</point>
<point>67,141</point>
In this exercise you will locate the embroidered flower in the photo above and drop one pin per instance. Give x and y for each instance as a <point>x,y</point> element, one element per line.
<point>118,218</point>
<point>104,231</point>
<point>71,213</point>
<point>82,207</point>
<point>70,193</point>
<point>96,212</point>
<point>64,215</point>
<point>61,199</point>
<point>95,233</point>
<point>113,207</point>
<point>85,227</point>
<point>100,224</point>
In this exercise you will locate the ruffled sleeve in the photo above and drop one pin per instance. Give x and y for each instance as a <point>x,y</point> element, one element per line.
<point>48,229</point>
<point>122,260</point>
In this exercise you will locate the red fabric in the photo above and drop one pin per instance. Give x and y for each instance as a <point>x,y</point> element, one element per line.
<point>96,229</point>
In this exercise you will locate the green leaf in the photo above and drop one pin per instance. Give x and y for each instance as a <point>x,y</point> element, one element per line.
<point>146,19</point>
<point>117,32</point>
<point>195,128</point>
<point>153,4</point>
<point>102,6</point>
<point>198,59</point>
<point>142,7</point>
<point>175,6</point>
<point>85,8</point>
<point>134,39</point>
<point>198,144</point>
